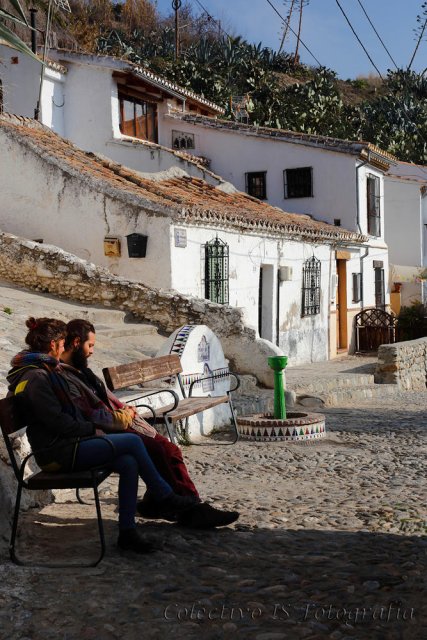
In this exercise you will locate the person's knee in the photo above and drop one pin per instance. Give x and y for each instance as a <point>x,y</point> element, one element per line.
<point>126,465</point>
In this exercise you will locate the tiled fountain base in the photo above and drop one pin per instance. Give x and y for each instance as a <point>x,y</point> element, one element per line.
<point>297,427</point>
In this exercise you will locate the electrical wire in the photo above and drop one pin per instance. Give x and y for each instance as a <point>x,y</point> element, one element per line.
<point>358,39</point>
<point>288,26</point>
<point>376,32</point>
<point>210,17</point>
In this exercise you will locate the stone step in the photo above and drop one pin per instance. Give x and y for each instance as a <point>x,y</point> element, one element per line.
<point>336,397</point>
<point>133,330</point>
<point>324,385</point>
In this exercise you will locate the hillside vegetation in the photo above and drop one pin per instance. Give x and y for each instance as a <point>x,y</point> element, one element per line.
<point>254,82</point>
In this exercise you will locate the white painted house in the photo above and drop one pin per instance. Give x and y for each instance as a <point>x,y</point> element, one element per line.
<point>406,232</point>
<point>105,105</point>
<point>125,113</point>
<point>178,232</point>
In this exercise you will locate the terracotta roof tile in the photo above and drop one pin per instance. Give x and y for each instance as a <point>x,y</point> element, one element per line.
<point>184,199</point>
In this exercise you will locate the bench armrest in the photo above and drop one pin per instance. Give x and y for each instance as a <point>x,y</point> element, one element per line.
<point>75,441</point>
<point>230,373</point>
<point>157,392</point>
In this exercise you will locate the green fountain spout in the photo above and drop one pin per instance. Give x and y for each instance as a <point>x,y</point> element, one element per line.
<point>278,364</point>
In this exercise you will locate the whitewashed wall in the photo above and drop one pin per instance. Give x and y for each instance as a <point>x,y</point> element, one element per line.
<point>21,83</point>
<point>303,339</point>
<point>403,224</point>
<point>233,154</point>
<point>39,201</point>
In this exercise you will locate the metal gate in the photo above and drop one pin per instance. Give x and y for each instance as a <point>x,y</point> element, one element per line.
<point>373,328</point>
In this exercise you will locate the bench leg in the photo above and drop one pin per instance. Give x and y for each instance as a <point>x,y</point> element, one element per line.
<point>100,525</point>
<point>12,553</point>
<point>170,429</point>
<point>234,421</point>
<point>18,561</point>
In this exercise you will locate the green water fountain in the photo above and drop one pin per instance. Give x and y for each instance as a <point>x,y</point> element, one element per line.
<point>296,426</point>
<point>278,364</point>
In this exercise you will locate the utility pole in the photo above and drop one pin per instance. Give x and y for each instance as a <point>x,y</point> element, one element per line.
<point>176,5</point>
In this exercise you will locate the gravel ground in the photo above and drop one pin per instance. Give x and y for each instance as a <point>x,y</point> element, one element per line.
<point>329,545</point>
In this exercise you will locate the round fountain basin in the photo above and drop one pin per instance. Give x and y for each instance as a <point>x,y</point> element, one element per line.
<point>297,427</point>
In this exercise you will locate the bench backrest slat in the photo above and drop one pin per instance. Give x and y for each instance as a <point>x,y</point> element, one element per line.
<point>127,375</point>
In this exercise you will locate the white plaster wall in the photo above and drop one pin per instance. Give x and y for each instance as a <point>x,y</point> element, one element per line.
<point>21,83</point>
<point>303,339</point>
<point>403,223</point>
<point>40,202</point>
<point>234,154</point>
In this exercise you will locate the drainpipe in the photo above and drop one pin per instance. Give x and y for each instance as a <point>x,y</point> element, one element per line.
<point>358,225</point>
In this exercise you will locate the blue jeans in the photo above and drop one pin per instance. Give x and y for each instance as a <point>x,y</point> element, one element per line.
<point>131,461</point>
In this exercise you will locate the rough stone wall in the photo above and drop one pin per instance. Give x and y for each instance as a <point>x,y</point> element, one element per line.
<point>404,364</point>
<point>51,270</point>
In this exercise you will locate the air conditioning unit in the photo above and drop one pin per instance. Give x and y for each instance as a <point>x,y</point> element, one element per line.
<point>285,274</point>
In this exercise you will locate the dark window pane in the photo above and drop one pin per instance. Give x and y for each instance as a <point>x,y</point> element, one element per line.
<point>256,184</point>
<point>373,205</point>
<point>298,182</point>
<point>138,118</point>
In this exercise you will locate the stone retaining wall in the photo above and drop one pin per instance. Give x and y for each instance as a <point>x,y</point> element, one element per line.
<point>404,364</point>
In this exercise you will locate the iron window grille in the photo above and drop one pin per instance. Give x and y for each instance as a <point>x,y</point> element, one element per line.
<point>373,205</point>
<point>311,287</point>
<point>357,287</point>
<point>216,271</point>
<point>256,184</point>
<point>379,288</point>
<point>298,183</point>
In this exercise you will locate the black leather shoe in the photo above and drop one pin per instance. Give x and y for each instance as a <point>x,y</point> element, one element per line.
<point>131,540</point>
<point>167,509</point>
<point>204,516</point>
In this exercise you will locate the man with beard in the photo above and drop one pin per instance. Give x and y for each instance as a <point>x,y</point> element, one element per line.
<point>102,407</point>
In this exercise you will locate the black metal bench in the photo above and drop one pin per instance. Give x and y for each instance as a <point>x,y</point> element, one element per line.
<point>11,422</point>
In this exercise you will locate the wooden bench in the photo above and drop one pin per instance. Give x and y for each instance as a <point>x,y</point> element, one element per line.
<point>11,422</point>
<point>156,369</point>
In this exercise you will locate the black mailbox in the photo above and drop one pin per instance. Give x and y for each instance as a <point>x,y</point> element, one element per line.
<point>137,245</point>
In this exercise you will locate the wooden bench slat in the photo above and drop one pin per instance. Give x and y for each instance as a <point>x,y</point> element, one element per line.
<point>128,375</point>
<point>187,407</point>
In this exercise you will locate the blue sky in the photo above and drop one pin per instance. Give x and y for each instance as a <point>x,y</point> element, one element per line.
<point>325,31</point>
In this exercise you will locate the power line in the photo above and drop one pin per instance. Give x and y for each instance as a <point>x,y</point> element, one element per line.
<point>210,17</point>
<point>377,34</point>
<point>358,39</point>
<point>288,26</point>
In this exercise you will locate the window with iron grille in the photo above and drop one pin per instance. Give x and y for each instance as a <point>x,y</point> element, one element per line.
<point>311,287</point>
<point>298,182</point>
<point>373,205</point>
<point>379,288</point>
<point>216,271</point>
<point>256,184</point>
<point>357,287</point>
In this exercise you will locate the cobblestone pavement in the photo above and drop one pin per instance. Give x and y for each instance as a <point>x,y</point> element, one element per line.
<point>329,545</point>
